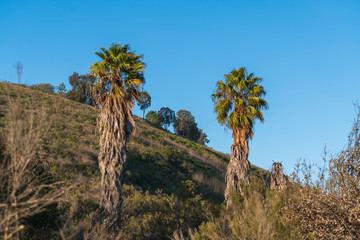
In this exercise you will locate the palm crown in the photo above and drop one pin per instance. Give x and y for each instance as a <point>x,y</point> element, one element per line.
<point>120,73</point>
<point>238,103</point>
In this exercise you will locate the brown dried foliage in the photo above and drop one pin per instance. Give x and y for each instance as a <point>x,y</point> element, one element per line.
<point>329,208</point>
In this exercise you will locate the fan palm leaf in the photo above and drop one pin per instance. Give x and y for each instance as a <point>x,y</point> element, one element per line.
<point>239,101</point>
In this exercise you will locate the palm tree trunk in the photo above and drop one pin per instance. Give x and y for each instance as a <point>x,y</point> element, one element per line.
<point>238,170</point>
<point>115,126</point>
<point>278,179</point>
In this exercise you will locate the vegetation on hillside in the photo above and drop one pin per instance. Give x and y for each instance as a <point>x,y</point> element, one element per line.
<point>173,188</point>
<point>81,90</point>
<point>26,186</point>
<point>157,159</point>
<point>183,122</point>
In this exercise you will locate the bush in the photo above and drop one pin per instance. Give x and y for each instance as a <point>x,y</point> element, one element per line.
<point>45,87</point>
<point>157,216</point>
<point>154,118</point>
<point>255,215</point>
<point>329,207</point>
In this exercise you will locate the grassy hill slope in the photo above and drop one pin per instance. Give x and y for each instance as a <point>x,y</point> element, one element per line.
<point>157,159</point>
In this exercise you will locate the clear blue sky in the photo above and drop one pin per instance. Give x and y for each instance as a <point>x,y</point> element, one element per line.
<point>307,52</point>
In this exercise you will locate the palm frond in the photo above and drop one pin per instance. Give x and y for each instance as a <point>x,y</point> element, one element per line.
<point>120,72</point>
<point>238,101</point>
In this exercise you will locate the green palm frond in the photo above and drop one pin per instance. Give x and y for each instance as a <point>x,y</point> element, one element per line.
<point>100,54</point>
<point>134,81</point>
<point>250,76</point>
<point>114,51</point>
<point>223,107</point>
<point>239,100</point>
<point>119,70</point>
<point>257,90</point>
<point>239,103</point>
<point>117,91</point>
<point>233,119</point>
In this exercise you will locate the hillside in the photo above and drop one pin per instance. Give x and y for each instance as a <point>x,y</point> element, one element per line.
<point>158,162</point>
<point>157,158</point>
<point>173,188</point>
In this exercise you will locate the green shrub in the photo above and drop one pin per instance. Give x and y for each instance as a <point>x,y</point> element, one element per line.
<point>255,215</point>
<point>147,216</point>
<point>186,189</point>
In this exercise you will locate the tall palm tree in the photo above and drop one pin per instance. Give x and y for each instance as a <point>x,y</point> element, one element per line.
<point>238,103</point>
<point>119,78</point>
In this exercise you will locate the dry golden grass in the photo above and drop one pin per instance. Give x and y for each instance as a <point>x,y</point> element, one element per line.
<point>216,185</point>
<point>206,158</point>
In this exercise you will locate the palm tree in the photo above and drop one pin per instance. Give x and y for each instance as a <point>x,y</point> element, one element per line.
<point>119,78</point>
<point>238,103</point>
<point>277,180</point>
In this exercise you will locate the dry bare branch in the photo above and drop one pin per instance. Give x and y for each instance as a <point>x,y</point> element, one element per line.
<point>24,189</point>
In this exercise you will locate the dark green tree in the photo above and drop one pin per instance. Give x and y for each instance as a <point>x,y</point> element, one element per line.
<point>238,103</point>
<point>167,117</point>
<point>185,125</point>
<point>202,138</point>
<point>153,118</point>
<point>61,89</point>
<point>144,101</point>
<point>81,88</point>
